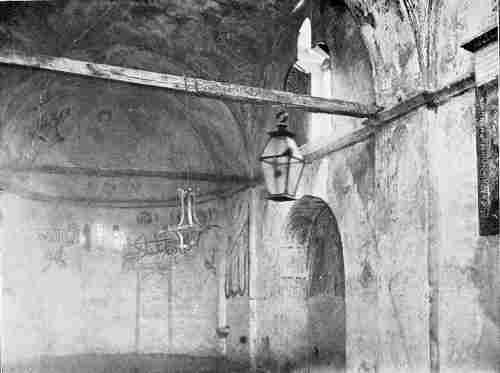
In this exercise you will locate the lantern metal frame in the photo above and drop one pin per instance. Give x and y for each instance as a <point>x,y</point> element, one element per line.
<point>282,132</point>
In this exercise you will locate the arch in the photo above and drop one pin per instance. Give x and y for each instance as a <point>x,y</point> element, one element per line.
<point>312,223</point>
<point>313,65</point>
<point>340,62</point>
<point>305,36</point>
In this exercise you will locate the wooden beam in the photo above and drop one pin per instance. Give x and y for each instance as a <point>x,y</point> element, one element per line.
<point>484,38</point>
<point>449,91</point>
<point>352,138</point>
<point>100,172</point>
<point>425,98</point>
<point>431,99</point>
<point>398,110</point>
<point>195,86</point>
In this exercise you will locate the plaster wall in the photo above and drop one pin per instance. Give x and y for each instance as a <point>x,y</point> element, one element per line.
<point>237,310</point>
<point>66,305</point>
<point>281,308</point>
<point>376,190</point>
<point>421,284</point>
<point>287,317</point>
<point>468,263</point>
<point>433,261</point>
<point>402,243</point>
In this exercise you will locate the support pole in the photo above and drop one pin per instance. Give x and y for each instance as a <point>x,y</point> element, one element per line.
<point>253,270</point>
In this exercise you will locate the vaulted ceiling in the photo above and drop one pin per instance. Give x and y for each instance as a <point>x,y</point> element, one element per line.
<point>56,119</point>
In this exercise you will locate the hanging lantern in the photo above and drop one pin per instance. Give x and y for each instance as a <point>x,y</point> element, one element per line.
<point>282,163</point>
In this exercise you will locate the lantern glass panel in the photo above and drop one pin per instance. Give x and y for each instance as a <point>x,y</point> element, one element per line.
<point>281,145</point>
<point>295,173</point>
<point>282,166</point>
<point>275,171</point>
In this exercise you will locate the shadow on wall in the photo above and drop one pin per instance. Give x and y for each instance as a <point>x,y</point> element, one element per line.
<point>485,274</point>
<point>127,363</point>
<point>312,223</point>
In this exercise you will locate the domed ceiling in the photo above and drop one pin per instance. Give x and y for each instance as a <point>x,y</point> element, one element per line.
<point>49,119</point>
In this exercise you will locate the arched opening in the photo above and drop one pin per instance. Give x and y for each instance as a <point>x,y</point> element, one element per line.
<point>331,50</point>
<point>313,225</point>
<point>309,74</point>
<point>349,66</point>
<point>314,59</point>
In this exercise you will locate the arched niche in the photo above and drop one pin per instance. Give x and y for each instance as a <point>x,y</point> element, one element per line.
<point>312,223</point>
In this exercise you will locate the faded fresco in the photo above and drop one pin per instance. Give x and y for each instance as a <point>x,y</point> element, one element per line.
<point>387,261</point>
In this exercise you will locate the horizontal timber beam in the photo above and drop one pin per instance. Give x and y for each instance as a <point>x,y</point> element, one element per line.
<point>425,98</point>
<point>431,99</point>
<point>352,138</point>
<point>100,172</point>
<point>195,86</point>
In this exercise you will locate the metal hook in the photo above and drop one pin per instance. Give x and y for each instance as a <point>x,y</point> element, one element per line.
<point>194,215</point>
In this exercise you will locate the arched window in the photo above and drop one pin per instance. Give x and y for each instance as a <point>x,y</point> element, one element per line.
<point>310,75</point>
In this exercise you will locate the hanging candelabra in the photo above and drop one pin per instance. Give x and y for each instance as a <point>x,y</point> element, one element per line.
<point>173,240</point>
<point>184,236</point>
<point>188,225</point>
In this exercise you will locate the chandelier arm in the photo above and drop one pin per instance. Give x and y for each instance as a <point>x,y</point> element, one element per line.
<point>181,239</point>
<point>189,207</point>
<point>195,216</point>
<point>242,286</point>
<point>238,285</point>
<point>181,193</point>
<point>247,272</point>
<point>227,284</point>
